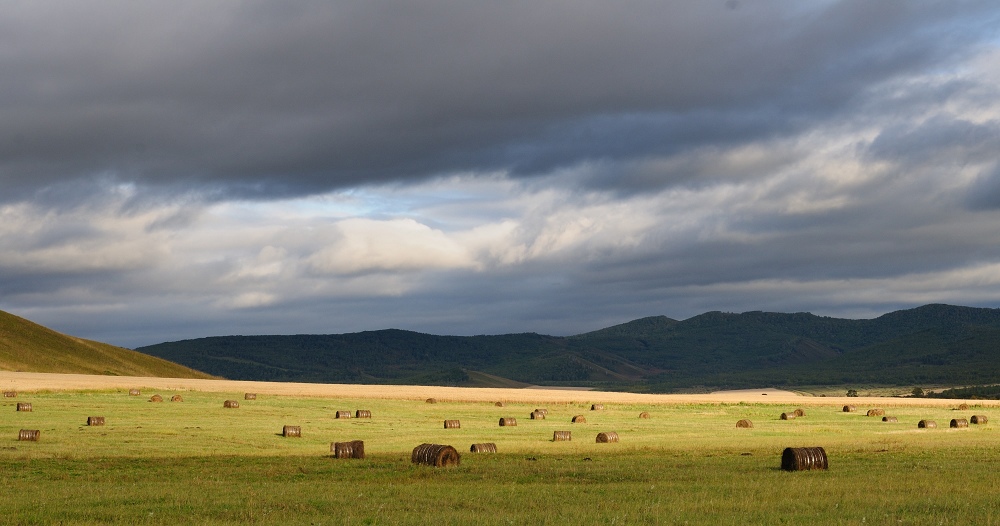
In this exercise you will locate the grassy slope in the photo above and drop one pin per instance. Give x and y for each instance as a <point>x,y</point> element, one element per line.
<point>27,346</point>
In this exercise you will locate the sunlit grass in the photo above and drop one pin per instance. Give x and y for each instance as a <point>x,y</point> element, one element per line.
<point>196,462</point>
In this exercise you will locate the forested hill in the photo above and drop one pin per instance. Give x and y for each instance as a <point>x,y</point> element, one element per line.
<point>925,345</point>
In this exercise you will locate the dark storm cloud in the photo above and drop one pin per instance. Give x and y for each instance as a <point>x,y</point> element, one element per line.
<point>262,99</point>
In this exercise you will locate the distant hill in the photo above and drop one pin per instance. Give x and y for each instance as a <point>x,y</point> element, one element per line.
<point>930,344</point>
<point>27,346</point>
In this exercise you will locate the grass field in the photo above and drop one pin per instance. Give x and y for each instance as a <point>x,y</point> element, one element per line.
<point>194,462</point>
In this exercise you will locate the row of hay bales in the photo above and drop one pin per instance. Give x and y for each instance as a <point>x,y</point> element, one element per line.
<point>929,424</point>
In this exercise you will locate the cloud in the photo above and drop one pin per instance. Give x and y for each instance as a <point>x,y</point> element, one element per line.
<point>190,170</point>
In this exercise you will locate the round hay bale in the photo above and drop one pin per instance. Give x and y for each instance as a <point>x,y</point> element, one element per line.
<point>561,436</point>
<point>744,423</point>
<point>343,414</point>
<point>889,419</point>
<point>508,422</point>
<point>249,396</point>
<point>133,392</point>
<point>579,419</point>
<point>500,404</point>
<point>787,416</point>
<point>876,412</point>
<point>959,422</point>
<point>432,400</point>
<point>606,437</point>
<point>963,407</point>
<point>452,424</point>
<point>644,414</point>
<point>10,394</point>
<point>291,431</point>
<point>231,404</point>
<point>95,420</point>
<point>488,447</point>
<point>156,398</point>
<point>804,459</point>
<point>30,435</point>
<point>799,412</point>
<point>542,411</point>
<point>978,419</point>
<point>24,406</point>
<point>362,413</point>
<point>597,407</point>
<point>850,408</point>
<point>436,455</point>
<point>535,415</point>
<point>352,449</point>
<point>926,424</point>
<point>176,398</point>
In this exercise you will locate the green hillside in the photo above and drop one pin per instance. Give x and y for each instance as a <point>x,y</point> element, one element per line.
<point>27,346</point>
<point>931,344</point>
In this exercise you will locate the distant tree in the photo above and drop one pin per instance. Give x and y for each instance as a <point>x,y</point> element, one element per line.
<point>852,392</point>
<point>918,392</point>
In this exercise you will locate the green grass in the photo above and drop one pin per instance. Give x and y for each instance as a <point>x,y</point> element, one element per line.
<point>194,462</point>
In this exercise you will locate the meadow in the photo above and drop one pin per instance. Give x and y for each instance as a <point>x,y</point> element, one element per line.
<point>195,462</point>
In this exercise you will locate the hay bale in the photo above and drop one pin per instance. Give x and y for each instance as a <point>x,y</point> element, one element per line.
<point>597,407</point>
<point>500,404</point>
<point>787,416</point>
<point>343,414</point>
<point>452,424</point>
<point>963,407</point>
<point>644,414</point>
<point>508,422</point>
<point>609,436</point>
<point>176,398</point>
<point>432,400</point>
<point>978,419</point>
<point>436,455</point>
<point>362,413</point>
<point>926,424</point>
<point>959,422</point>
<point>133,392</point>
<point>291,431</point>
<point>535,415</point>
<point>561,436</point>
<point>744,423</point>
<point>24,406</point>
<point>850,408</point>
<point>352,449</point>
<point>30,435</point>
<point>876,412</point>
<point>579,419</point>
<point>156,398</point>
<point>231,404</point>
<point>95,420</point>
<point>799,412</point>
<point>488,447</point>
<point>10,394</point>
<point>889,419</point>
<point>804,459</point>
<point>249,396</point>
<point>542,411</point>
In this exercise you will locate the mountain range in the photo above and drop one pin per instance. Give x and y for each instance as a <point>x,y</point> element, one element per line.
<point>933,344</point>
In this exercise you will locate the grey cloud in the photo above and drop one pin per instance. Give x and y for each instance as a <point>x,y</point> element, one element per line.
<point>261,100</point>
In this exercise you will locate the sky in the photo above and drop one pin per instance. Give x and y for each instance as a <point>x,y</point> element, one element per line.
<point>174,170</point>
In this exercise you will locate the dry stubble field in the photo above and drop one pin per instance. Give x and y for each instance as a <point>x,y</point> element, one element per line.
<point>195,462</point>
